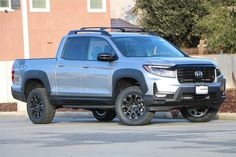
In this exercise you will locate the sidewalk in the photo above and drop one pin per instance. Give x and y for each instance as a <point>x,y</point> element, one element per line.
<point>88,114</point>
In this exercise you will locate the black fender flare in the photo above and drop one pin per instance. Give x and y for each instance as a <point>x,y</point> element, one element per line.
<point>129,73</point>
<point>36,74</point>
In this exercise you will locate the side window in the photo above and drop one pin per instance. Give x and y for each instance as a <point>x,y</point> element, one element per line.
<point>9,5</point>
<point>96,5</point>
<point>39,5</point>
<point>96,46</point>
<point>76,48</point>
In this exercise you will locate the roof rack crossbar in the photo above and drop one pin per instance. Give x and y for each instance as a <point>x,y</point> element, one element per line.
<point>123,29</point>
<point>103,31</point>
<point>83,30</point>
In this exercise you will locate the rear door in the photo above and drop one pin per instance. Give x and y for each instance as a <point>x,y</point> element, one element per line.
<point>68,67</point>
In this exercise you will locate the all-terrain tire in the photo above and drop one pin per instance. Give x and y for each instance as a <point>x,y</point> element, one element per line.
<point>40,110</point>
<point>135,92</point>
<point>104,115</point>
<point>207,116</point>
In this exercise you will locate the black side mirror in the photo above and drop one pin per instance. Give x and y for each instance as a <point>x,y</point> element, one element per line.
<point>106,57</point>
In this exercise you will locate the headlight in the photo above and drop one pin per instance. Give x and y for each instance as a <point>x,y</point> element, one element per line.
<point>218,72</point>
<point>160,71</point>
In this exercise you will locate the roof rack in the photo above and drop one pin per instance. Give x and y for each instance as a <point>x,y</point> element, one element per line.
<point>103,31</point>
<point>122,29</point>
<point>96,31</point>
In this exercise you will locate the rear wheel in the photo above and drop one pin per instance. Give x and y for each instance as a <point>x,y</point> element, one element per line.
<point>104,115</point>
<point>199,114</point>
<point>130,107</point>
<point>40,110</point>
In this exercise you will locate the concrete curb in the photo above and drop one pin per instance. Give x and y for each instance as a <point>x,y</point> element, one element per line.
<point>84,114</point>
<point>226,116</point>
<point>13,114</point>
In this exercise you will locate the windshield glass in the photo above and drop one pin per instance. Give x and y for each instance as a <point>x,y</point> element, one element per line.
<point>146,46</point>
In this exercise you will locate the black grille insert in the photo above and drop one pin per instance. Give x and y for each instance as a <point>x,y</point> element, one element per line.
<point>187,74</point>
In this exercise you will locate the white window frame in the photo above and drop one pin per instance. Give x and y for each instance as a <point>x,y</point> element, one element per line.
<point>47,9</point>
<point>7,8</point>
<point>103,10</point>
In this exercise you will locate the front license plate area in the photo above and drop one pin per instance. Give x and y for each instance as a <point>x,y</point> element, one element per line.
<point>201,90</point>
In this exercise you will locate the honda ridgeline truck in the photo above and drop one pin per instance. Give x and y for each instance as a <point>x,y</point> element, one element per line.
<point>130,73</point>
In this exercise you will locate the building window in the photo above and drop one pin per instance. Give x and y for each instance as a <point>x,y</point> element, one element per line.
<point>5,5</point>
<point>40,5</point>
<point>96,5</point>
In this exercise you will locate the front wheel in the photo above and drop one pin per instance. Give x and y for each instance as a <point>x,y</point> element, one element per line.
<point>130,107</point>
<point>104,115</point>
<point>199,114</point>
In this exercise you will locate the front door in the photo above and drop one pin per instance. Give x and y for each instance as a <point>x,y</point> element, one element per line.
<point>96,76</point>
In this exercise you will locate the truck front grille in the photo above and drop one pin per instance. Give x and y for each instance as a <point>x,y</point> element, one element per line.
<point>196,74</point>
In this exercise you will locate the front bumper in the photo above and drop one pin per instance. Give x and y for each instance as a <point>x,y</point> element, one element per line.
<point>185,97</point>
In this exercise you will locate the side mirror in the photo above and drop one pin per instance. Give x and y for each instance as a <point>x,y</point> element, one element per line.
<point>106,57</point>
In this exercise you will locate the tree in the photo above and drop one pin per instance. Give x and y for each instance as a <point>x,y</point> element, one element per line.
<point>172,19</point>
<point>219,26</point>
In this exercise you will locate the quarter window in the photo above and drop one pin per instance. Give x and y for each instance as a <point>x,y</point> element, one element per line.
<point>40,5</point>
<point>96,5</point>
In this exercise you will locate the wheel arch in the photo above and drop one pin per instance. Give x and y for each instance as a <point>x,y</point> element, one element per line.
<point>37,77</point>
<point>133,76</point>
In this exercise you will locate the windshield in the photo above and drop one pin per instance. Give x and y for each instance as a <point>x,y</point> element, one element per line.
<point>146,46</point>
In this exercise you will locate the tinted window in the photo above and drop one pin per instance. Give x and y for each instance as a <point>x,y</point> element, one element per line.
<point>97,46</point>
<point>146,46</point>
<point>76,48</point>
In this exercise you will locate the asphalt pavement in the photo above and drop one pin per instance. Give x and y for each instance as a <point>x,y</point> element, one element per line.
<point>86,137</point>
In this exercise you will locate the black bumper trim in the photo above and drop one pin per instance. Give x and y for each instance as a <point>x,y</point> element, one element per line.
<point>18,95</point>
<point>153,103</point>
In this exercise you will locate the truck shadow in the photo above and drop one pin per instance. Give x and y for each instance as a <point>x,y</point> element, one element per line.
<point>115,121</point>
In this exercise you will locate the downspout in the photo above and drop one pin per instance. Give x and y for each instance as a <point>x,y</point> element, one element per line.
<point>25,28</point>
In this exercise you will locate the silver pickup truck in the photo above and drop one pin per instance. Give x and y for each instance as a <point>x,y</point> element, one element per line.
<point>130,73</point>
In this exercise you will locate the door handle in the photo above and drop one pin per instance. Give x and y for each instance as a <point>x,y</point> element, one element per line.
<point>60,65</point>
<point>85,66</point>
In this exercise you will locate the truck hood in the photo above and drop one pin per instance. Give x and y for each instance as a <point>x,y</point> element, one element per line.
<point>171,61</point>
